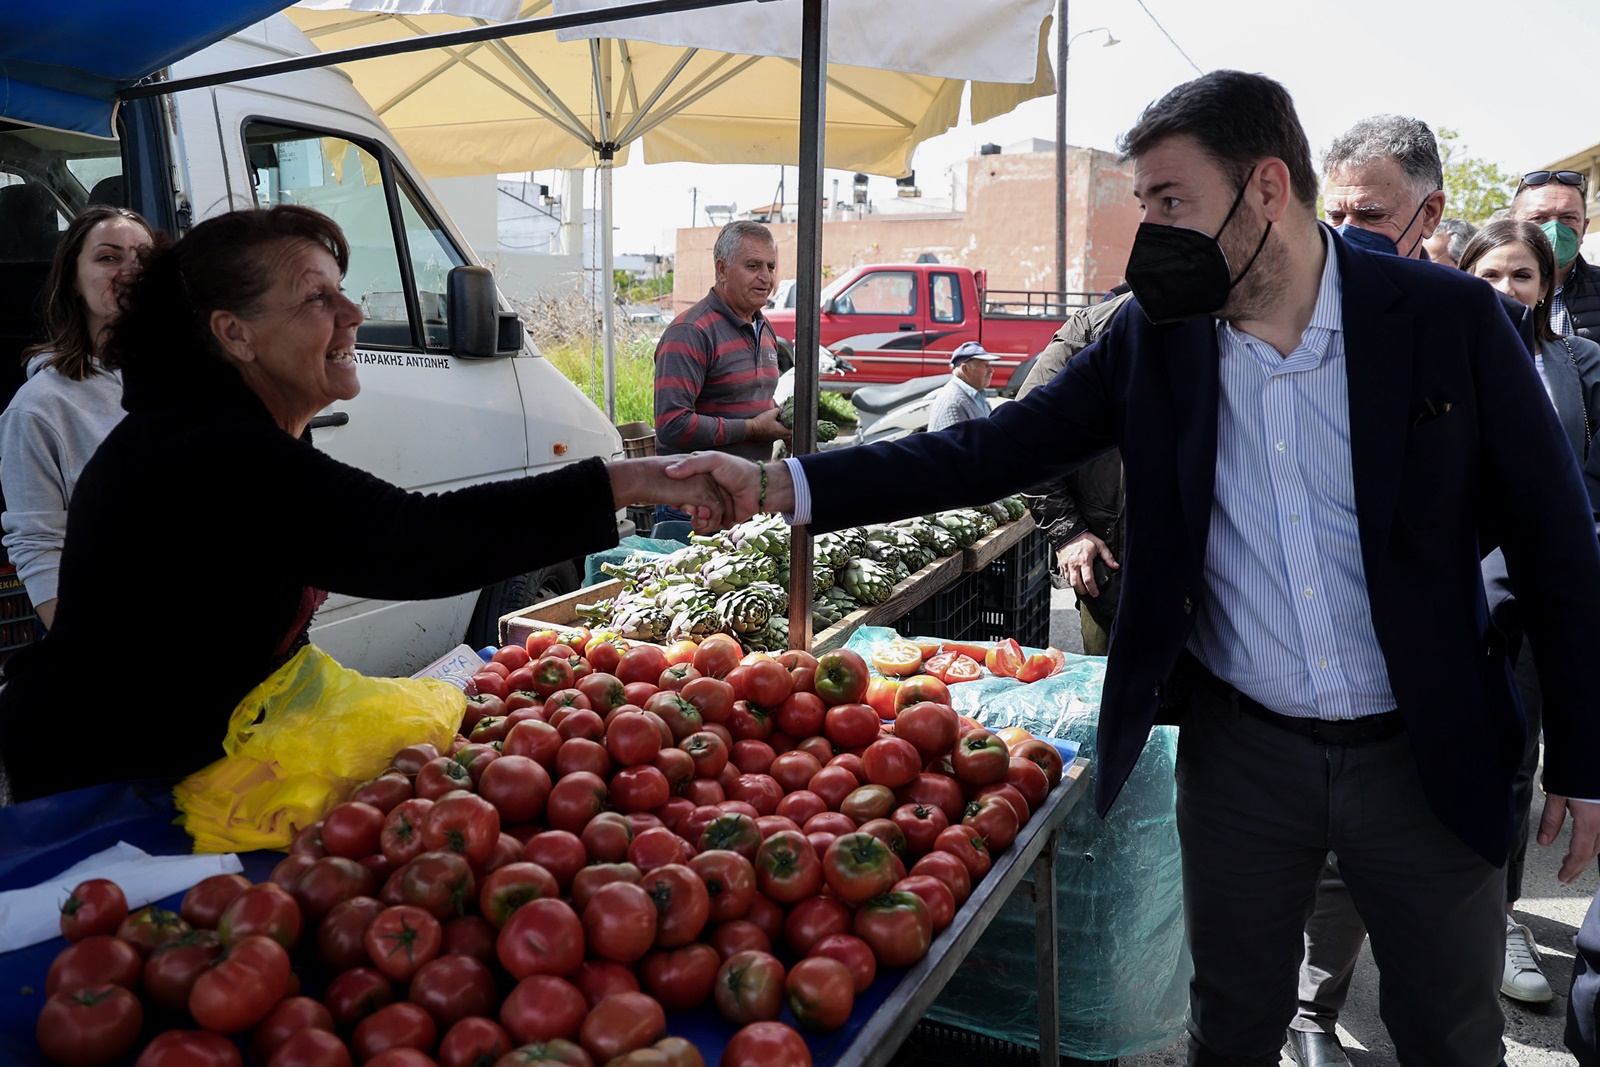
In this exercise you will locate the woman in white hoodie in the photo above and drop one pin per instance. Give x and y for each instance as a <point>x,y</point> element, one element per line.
<point>70,401</point>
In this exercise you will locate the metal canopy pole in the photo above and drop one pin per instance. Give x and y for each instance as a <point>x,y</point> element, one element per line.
<point>608,288</point>
<point>808,295</point>
<point>1061,154</point>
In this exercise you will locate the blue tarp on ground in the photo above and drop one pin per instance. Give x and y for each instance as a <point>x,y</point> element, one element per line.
<point>62,63</point>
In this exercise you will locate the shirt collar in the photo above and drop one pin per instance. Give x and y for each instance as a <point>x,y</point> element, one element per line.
<point>1326,320</point>
<point>965,388</point>
<point>728,313</point>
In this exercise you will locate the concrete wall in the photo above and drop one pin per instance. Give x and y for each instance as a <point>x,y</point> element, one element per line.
<point>1008,228</point>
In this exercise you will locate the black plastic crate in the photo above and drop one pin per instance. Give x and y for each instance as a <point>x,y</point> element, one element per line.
<point>949,614</point>
<point>1029,624</point>
<point>19,625</point>
<point>1018,576</point>
<point>643,519</point>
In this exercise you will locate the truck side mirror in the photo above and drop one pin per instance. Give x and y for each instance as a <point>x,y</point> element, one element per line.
<point>827,306</point>
<point>478,328</point>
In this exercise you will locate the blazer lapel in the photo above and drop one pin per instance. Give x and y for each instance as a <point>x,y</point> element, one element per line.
<point>1566,392</point>
<point>1191,357</point>
<point>1378,367</point>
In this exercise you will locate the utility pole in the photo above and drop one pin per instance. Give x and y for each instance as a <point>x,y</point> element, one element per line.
<point>1061,152</point>
<point>694,204</point>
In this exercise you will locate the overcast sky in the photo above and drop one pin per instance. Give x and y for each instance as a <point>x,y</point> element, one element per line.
<point>1520,82</point>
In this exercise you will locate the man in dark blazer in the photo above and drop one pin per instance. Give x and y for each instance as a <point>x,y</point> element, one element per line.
<point>1320,444</point>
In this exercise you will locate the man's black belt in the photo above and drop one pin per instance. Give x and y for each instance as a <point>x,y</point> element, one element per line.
<point>1367,730</point>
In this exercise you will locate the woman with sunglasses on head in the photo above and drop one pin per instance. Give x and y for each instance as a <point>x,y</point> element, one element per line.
<point>1556,201</point>
<point>1517,259</point>
<point>71,400</point>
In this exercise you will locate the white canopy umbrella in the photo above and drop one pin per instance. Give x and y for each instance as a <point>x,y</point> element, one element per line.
<point>720,85</point>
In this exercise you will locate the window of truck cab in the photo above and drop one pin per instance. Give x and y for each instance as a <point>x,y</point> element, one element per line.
<point>400,254</point>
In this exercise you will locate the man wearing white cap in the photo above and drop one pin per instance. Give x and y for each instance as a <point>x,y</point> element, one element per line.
<point>962,397</point>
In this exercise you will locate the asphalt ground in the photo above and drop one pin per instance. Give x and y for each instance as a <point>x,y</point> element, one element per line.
<point>1551,910</point>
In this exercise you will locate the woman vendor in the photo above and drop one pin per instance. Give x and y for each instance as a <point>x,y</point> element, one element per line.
<point>207,504</point>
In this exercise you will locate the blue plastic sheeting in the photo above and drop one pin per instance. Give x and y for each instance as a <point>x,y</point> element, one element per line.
<point>1124,961</point>
<point>62,63</point>
<point>650,546</point>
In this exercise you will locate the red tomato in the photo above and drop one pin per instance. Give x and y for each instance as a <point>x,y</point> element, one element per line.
<point>1029,779</point>
<point>850,725</point>
<point>352,829</point>
<point>238,992</point>
<point>681,979</point>
<point>170,972</point>
<point>730,882</point>
<point>801,714</point>
<point>813,919</point>
<point>619,922</point>
<point>682,902</point>
<point>1045,756</point>
<point>632,740</point>
<point>513,656</point>
<point>265,909</point>
<point>738,935</point>
<point>621,1023</point>
<point>551,674</point>
<point>96,907</point>
<point>598,979</point>
<point>510,887</point>
<point>936,791</point>
<point>857,867</point>
<point>474,1042</point>
<point>768,683</point>
<point>543,937</point>
<point>192,1048</point>
<point>401,839</point>
<point>921,824</point>
<point>603,689</point>
<point>540,640</point>
<point>313,1048</point>
<point>800,806</point>
<point>767,914</point>
<point>581,754</point>
<point>787,868</point>
<point>766,1044</point>
<point>291,868</point>
<point>639,789</point>
<point>576,798</point>
<point>707,751</point>
<point>966,846</point>
<point>980,758</point>
<point>833,784</point>
<point>452,988</point>
<point>655,847</point>
<point>732,831</point>
<point>868,802</point>
<point>897,926</point>
<point>842,677</point>
<point>355,994</point>
<point>396,1026</point>
<point>538,741</point>
<point>94,960</point>
<point>950,870</point>
<point>881,694</point>
<point>930,728</point>
<point>749,987</point>
<point>440,883</point>
<point>469,935</point>
<point>559,852</point>
<point>328,882</point>
<point>89,1026</point>
<point>1011,795</point>
<point>821,992</point>
<point>149,927</point>
<point>642,663</point>
<point>287,1018</point>
<point>854,953</point>
<point>589,880</point>
<point>488,683</point>
<point>401,939</point>
<point>936,896</point>
<point>1004,658</point>
<point>710,695</point>
<point>748,721</point>
<point>924,688</point>
<point>204,904</point>
<point>760,791</point>
<point>468,825</point>
<point>994,820</point>
<point>543,1008</point>
<point>714,660</point>
<point>606,838</point>
<point>891,761</point>
<point>517,786</point>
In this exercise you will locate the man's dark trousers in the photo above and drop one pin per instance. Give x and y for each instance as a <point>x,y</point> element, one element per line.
<point>1259,809</point>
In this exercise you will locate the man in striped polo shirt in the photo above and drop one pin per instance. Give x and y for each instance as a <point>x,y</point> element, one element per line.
<point>717,364</point>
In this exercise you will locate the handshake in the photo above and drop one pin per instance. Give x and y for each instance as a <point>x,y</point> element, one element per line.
<point>714,489</point>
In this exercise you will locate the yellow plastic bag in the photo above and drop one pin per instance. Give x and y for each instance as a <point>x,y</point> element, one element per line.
<point>299,741</point>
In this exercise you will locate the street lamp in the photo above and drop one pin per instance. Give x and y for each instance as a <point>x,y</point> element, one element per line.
<point>1063,49</point>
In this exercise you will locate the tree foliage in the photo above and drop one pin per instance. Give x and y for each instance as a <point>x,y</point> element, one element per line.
<point>1474,187</point>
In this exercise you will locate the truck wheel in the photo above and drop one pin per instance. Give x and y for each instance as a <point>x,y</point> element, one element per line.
<point>785,356</point>
<point>505,597</point>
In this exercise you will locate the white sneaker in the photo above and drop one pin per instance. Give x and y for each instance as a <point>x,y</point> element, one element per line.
<point>1522,979</point>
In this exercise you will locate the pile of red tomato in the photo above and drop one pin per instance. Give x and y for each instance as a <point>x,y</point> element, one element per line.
<point>598,849</point>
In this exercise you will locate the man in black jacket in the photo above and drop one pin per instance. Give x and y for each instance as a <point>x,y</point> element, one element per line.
<point>1556,201</point>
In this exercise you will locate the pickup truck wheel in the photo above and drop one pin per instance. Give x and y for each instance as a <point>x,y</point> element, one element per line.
<point>514,593</point>
<point>785,356</point>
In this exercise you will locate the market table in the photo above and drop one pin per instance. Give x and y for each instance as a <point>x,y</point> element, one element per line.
<point>42,837</point>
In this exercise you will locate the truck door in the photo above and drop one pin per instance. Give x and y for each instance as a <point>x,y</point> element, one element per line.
<point>880,315</point>
<point>947,320</point>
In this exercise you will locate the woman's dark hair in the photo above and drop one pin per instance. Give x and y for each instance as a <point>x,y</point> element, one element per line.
<point>223,264</point>
<point>1237,119</point>
<point>66,319</point>
<point>1508,231</point>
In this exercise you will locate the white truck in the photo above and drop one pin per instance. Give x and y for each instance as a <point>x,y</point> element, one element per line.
<point>453,392</point>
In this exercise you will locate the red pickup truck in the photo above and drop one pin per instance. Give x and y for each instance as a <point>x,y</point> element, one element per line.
<point>904,319</point>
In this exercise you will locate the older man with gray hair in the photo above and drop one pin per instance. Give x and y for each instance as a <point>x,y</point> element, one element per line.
<point>1449,241</point>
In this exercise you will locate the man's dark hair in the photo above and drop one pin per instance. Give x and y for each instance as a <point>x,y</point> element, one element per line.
<point>1238,119</point>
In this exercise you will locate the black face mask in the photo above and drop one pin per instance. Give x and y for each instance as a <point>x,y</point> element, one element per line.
<point>1177,273</point>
